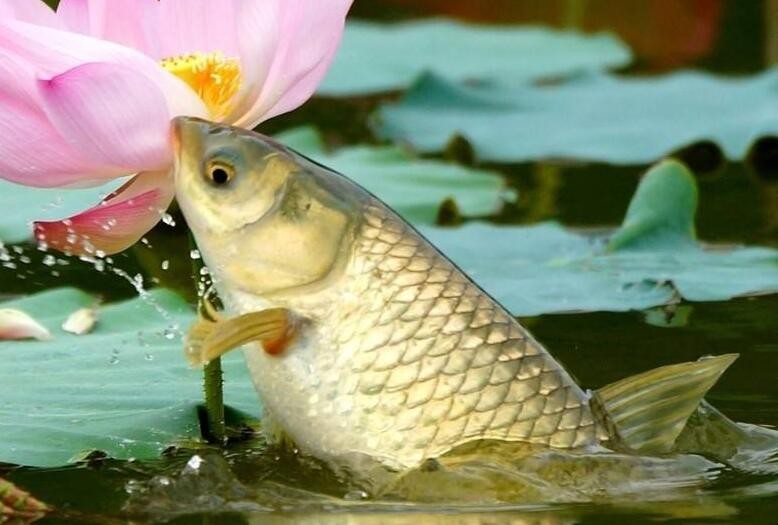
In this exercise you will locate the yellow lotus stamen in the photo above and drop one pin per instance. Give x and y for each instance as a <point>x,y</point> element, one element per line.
<point>214,77</point>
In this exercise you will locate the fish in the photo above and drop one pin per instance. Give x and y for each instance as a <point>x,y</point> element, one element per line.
<point>365,341</point>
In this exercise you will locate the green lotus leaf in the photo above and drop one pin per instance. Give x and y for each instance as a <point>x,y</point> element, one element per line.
<point>594,118</point>
<point>377,57</point>
<point>124,389</point>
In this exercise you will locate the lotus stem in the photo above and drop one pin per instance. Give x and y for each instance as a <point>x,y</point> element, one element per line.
<point>215,430</point>
<point>213,384</point>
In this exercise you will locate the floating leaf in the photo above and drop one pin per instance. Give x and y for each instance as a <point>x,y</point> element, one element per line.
<point>414,187</point>
<point>30,204</point>
<point>124,388</point>
<point>651,260</point>
<point>378,57</point>
<point>597,117</point>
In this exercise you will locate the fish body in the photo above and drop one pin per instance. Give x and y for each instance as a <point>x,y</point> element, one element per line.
<point>395,354</point>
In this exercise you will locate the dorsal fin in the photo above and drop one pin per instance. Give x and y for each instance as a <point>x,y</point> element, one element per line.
<point>647,412</point>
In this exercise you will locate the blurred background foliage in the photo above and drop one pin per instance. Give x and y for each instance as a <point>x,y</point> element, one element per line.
<point>722,35</point>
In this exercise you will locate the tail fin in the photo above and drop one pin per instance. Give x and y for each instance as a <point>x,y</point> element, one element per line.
<point>647,412</point>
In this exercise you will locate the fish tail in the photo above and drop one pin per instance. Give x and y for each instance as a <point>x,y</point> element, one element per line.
<point>647,412</point>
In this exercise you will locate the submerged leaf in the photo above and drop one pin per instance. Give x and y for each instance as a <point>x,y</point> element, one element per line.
<point>414,187</point>
<point>595,118</point>
<point>377,57</point>
<point>125,388</point>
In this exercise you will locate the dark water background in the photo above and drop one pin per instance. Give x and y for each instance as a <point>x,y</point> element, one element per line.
<point>738,204</point>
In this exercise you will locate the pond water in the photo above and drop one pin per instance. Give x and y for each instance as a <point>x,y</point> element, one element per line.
<point>255,484</point>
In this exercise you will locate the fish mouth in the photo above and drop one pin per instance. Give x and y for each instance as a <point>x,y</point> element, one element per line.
<point>183,131</point>
<point>177,130</point>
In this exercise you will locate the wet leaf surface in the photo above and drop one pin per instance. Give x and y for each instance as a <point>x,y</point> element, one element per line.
<point>377,57</point>
<point>124,389</point>
<point>595,118</point>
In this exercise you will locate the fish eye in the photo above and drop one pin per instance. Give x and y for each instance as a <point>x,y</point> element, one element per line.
<point>219,173</point>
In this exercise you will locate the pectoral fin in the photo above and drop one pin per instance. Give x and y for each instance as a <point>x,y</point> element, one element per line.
<point>647,412</point>
<point>207,339</point>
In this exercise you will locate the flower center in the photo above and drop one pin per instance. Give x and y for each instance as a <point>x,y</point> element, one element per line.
<point>214,77</point>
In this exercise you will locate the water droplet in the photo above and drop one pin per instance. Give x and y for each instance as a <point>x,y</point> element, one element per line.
<point>169,333</point>
<point>133,487</point>
<point>49,260</point>
<point>355,495</point>
<point>168,219</point>
<point>194,254</point>
<point>205,271</point>
<point>194,463</point>
<point>165,264</point>
<point>149,357</point>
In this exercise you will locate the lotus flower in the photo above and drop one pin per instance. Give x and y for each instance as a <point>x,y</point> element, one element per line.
<point>88,93</point>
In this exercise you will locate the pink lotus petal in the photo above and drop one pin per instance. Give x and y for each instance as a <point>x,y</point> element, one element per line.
<point>308,34</point>
<point>258,34</point>
<point>51,52</point>
<point>34,12</point>
<point>32,152</point>
<point>15,324</point>
<point>198,26</point>
<point>127,22</point>
<point>112,113</point>
<point>116,223</point>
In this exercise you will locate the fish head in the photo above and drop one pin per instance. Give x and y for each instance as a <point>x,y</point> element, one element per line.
<point>265,218</point>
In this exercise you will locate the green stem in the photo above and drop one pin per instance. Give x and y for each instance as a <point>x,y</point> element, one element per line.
<point>214,401</point>
<point>213,379</point>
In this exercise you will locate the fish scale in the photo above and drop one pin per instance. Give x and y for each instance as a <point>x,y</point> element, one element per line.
<point>437,362</point>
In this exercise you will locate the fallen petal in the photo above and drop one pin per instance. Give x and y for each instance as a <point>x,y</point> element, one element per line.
<point>81,322</point>
<point>15,324</point>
